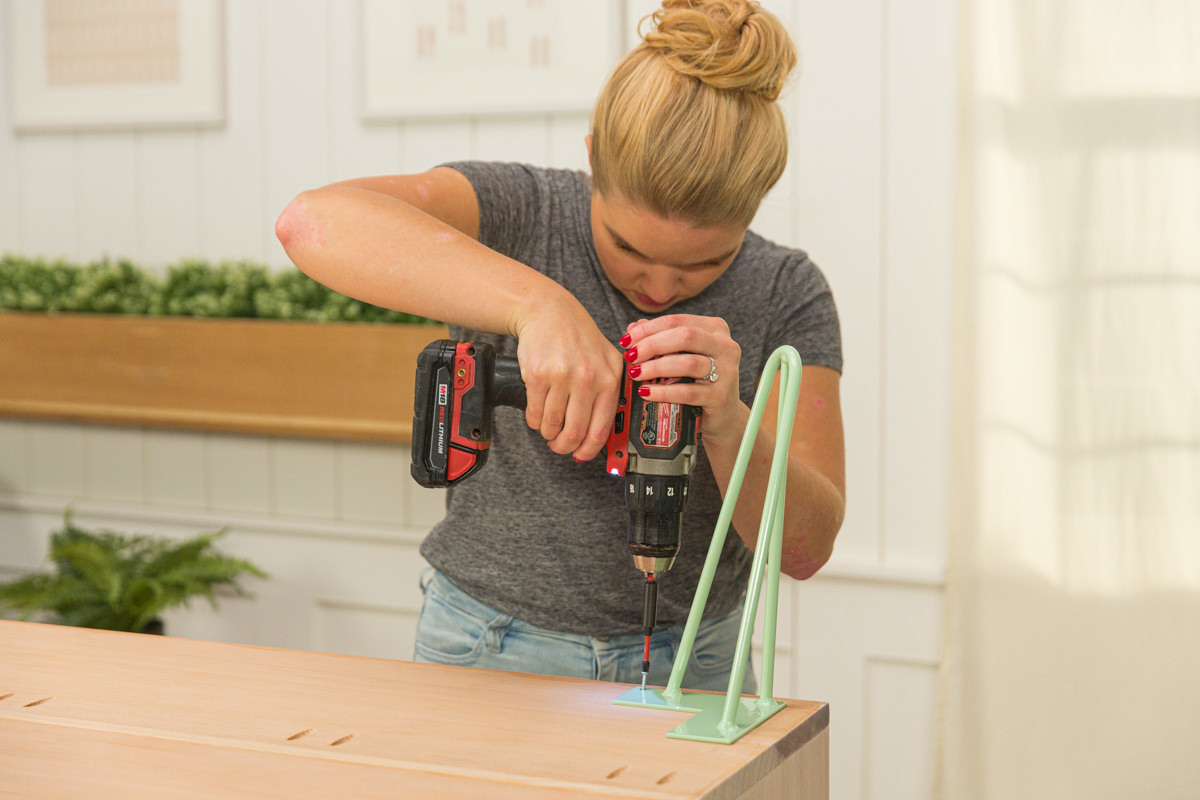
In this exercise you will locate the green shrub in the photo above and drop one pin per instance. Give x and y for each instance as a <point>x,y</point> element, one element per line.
<point>191,288</point>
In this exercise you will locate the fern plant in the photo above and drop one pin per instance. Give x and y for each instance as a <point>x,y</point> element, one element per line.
<point>122,582</point>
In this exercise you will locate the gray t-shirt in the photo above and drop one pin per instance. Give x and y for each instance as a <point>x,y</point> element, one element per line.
<point>544,539</point>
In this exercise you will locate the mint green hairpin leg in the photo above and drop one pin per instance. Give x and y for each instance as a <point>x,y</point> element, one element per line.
<point>726,718</point>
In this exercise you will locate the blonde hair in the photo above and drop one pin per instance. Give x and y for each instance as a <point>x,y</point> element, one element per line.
<point>687,125</point>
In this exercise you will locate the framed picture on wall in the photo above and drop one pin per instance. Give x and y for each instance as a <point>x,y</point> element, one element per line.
<point>115,63</point>
<point>430,58</point>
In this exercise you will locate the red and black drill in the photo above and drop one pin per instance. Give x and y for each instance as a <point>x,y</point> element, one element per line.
<point>652,446</point>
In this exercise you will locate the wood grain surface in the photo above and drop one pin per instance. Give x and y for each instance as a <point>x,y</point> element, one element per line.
<point>87,713</point>
<point>337,380</point>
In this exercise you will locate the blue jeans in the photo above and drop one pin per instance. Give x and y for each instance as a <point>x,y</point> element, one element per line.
<point>454,628</point>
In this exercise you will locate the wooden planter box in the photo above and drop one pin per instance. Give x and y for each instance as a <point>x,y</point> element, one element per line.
<point>336,380</point>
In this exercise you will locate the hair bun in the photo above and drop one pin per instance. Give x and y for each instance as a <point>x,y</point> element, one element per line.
<point>727,44</point>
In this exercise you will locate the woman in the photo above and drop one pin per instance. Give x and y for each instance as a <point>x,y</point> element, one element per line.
<point>647,266</point>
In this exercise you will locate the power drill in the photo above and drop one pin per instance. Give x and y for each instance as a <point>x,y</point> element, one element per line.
<point>652,445</point>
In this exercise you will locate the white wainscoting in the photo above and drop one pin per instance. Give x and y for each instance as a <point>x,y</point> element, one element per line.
<point>336,525</point>
<point>869,192</point>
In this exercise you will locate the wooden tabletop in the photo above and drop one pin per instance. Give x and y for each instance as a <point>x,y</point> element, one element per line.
<point>86,713</point>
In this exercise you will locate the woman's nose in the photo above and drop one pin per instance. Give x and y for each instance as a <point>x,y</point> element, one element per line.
<point>658,283</point>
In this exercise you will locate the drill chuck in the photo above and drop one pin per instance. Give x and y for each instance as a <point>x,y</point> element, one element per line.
<point>655,504</point>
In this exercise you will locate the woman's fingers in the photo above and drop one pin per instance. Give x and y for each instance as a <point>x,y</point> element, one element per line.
<point>588,423</point>
<point>554,412</point>
<point>600,426</point>
<point>679,346</point>
<point>679,365</point>
<point>572,405</point>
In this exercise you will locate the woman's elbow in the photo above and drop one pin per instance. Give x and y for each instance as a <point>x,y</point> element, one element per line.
<point>814,549</point>
<point>802,566</point>
<point>297,228</point>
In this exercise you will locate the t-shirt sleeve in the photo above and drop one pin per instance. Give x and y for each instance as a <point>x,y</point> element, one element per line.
<point>805,315</point>
<point>509,197</point>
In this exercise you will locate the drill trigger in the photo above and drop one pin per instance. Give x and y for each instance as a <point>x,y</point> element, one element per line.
<point>617,447</point>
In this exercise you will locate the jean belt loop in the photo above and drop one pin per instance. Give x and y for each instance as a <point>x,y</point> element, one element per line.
<point>494,635</point>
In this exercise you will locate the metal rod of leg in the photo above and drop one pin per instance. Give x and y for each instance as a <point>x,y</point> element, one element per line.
<point>672,691</point>
<point>774,558</point>
<point>770,538</point>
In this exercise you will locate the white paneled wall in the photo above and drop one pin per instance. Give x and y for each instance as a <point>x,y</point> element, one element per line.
<point>869,193</point>
<point>337,525</point>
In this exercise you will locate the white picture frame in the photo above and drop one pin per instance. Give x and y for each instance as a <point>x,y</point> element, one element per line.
<point>454,58</point>
<point>64,75</point>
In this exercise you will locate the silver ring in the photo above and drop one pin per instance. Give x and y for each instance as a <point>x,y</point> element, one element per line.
<point>712,375</point>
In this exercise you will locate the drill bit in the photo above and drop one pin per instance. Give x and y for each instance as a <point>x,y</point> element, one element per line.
<point>649,614</point>
<point>645,663</point>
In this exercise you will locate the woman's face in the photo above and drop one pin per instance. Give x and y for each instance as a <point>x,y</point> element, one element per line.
<point>657,262</point>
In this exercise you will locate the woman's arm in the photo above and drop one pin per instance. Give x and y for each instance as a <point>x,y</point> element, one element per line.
<point>816,482</point>
<point>409,242</point>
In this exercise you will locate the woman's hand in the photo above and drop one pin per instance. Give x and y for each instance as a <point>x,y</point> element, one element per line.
<point>685,346</point>
<point>572,377</point>
<point>680,346</point>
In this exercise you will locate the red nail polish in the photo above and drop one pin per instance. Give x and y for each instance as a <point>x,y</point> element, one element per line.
<point>631,355</point>
<point>625,340</point>
<point>635,370</point>
<point>643,391</point>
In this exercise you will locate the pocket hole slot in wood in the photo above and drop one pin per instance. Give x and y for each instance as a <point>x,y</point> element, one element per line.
<point>6,696</point>
<point>616,772</point>
<point>342,740</point>
<point>300,735</point>
<point>38,702</point>
<point>665,778</point>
